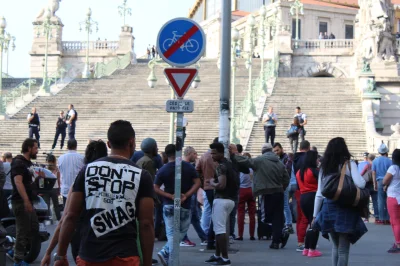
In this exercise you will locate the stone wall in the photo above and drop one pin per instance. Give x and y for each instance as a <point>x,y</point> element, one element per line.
<point>390,103</point>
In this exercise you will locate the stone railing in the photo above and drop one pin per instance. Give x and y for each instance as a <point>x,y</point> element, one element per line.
<point>322,44</point>
<point>94,45</point>
<point>16,97</point>
<point>104,70</point>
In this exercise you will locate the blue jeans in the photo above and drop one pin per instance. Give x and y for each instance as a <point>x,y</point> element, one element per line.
<point>383,212</point>
<point>195,218</point>
<point>286,207</point>
<point>206,216</point>
<point>168,213</point>
<point>374,197</point>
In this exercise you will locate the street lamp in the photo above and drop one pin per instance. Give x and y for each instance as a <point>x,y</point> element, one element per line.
<point>251,22</point>
<point>5,39</point>
<point>46,29</point>
<point>295,9</point>
<point>152,82</point>
<point>235,40</point>
<point>7,48</point>
<point>124,11</point>
<point>263,14</point>
<point>88,24</point>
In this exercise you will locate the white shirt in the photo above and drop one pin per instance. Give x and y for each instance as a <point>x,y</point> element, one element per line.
<point>69,165</point>
<point>71,113</point>
<point>358,180</point>
<point>393,190</point>
<point>273,115</point>
<point>303,116</point>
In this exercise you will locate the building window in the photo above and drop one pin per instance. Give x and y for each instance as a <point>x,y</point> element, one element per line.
<point>294,29</point>
<point>349,31</point>
<point>323,27</point>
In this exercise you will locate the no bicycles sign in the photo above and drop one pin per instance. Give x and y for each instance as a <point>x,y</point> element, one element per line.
<point>181,42</point>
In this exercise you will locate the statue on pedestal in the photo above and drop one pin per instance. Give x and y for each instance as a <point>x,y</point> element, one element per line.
<point>53,5</point>
<point>396,129</point>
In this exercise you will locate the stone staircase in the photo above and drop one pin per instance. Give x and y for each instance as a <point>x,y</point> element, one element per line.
<point>126,95</point>
<point>332,107</point>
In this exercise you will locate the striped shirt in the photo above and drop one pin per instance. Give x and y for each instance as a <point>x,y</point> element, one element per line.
<point>69,165</point>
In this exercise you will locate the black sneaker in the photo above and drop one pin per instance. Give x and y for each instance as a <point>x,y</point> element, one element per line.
<point>252,238</point>
<point>213,259</point>
<point>210,247</point>
<point>290,229</point>
<point>285,238</point>
<point>274,246</point>
<point>222,262</point>
<point>154,262</point>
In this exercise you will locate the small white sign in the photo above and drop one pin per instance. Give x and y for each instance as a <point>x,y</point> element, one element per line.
<point>179,106</point>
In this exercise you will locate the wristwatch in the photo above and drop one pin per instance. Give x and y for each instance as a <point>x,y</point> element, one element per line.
<point>56,257</point>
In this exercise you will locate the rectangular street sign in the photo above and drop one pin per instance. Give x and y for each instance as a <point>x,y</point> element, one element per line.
<point>179,106</point>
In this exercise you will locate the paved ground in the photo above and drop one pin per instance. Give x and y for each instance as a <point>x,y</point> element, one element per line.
<point>370,250</point>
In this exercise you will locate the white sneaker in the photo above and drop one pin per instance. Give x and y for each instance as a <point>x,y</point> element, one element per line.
<point>204,243</point>
<point>231,240</point>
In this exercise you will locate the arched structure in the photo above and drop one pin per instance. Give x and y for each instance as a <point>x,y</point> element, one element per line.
<point>325,69</point>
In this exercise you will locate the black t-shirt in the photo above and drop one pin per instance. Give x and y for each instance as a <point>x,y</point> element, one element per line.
<point>231,189</point>
<point>166,176</point>
<point>61,123</point>
<point>112,189</point>
<point>23,167</point>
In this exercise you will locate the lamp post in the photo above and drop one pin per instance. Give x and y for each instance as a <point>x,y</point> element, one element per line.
<point>7,48</point>
<point>124,11</point>
<point>152,82</point>
<point>235,40</point>
<point>5,39</point>
<point>251,23</point>
<point>88,24</point>
<point>296,8</point>
<point>46,30</point>
<point>263,14</point>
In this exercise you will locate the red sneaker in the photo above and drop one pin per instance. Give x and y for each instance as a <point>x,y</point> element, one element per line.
<point>187,243</point>
<point>378,221</point>
<point>314,253</point>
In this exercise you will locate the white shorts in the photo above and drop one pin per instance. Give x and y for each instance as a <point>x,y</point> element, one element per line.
<point>221,210</point>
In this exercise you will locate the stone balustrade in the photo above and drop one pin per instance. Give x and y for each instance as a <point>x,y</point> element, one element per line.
<point>73,47</point>
<point>323,44</point>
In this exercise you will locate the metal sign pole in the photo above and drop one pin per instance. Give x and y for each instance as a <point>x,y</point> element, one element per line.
<point>177,200</point>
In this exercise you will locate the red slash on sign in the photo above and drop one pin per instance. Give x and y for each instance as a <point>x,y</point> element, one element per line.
<point>180,79</point>
<point>181,41</point>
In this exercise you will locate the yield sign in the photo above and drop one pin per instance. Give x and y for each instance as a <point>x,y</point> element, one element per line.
<point>180,79</point>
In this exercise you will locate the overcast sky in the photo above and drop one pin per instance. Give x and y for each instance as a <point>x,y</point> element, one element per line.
<point>147,18</point>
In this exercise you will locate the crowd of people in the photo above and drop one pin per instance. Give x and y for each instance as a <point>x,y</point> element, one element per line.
<point>117,199</point>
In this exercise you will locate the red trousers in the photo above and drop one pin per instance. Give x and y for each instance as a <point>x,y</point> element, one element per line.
<point>130,261</point>
<point>302,222</point>
<point>394,212</point>
<point>246,196</point>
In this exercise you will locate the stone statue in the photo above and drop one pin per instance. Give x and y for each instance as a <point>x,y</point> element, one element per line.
<point>396,129</point>
<point>366,66</point>
<point>371,85</point>
<point>53,5</point>
<point>386,46</point>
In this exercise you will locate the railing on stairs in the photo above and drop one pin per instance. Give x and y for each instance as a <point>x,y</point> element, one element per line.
<point>107,69</point>
<point>255,99</point>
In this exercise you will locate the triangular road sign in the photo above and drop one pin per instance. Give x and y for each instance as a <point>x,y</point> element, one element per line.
<point>180,79</point>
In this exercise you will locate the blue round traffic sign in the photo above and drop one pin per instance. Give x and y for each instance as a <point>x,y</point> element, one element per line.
<point>181,42</point>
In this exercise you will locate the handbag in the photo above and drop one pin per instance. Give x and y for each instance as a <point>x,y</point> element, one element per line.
<point>292,131</point>
<point>340,187</point>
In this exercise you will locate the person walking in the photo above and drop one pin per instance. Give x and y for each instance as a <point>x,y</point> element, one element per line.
<point>206,170</point>
<point>7,189</point>
<point>34,125</point>
<point>392,181</point>
<point>153,51</point>
<point>293,134</point>
<point>246,197</point>
<point>104,243</point>
<point>307,178</point>
<point>380,167</point>
<point>270,180</point>
<point>361,165</point>
<point>55,191</point>
<point>287,162</point>
<point>343,224</point>
<point>72,116</point>
<point>302,121</point>
<point>61,128</point>
<point>367,174</point>
<point>26,220</point>
<point>269,120</point>
<point>226,185</point>
<point>69,165</point>
<point>190,183</point>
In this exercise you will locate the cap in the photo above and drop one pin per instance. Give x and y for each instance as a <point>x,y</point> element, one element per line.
<point>366,154</point>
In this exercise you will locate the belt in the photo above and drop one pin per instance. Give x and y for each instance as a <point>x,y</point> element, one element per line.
<point>33,125</point>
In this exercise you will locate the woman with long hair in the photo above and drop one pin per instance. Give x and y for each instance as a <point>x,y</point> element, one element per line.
<point>246,197</point>
<point>343,224</point>
<point>307,179</point>
<point>392,181</point>
<point>94,151</point>
<point>293,134</point>
<point>55,191</point>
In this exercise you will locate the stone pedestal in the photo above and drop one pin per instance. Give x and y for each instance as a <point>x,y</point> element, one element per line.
<point>38,50</point>
<point>126,40</point>
<point>385,68</point>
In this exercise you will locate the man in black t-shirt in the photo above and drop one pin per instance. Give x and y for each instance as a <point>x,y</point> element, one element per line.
<point>190,183</point>
<point>22,179</point>
<point>116,195</point>
<point>61,129</point>
<point>226,186</point>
